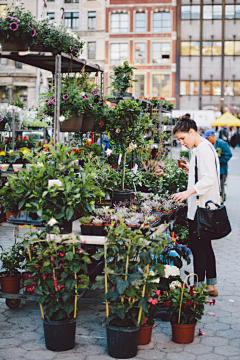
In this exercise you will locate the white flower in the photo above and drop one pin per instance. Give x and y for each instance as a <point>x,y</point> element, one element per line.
<point>40,164</point>
<point>108,152</point>
<point>52,222</point>
<point>62,118</point>
<point>171,271</point>
<point>82,93</point>
<point>174,284</point>
<point>156,280</point>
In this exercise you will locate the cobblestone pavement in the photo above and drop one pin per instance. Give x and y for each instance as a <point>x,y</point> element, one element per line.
<point>21,330</point>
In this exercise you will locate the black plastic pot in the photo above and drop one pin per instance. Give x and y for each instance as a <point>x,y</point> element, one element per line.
<point>98,230</point>
<point>86,229</point>
<point>122,342</point>
<point>59,335</point>
<point>121,195</point>
<point>67,226</point>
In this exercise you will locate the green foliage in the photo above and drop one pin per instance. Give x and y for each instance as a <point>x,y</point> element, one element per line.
<point>12,259</point>
<point>184,154</point>
<point>52,267</point>
<point>125,283</point>
<point>57,38</point>
<point>122,77</point>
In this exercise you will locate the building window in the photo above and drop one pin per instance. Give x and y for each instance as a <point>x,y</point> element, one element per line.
<point>191,12</point>
<point>211,48</point>
<point>3,63</point>
<point>216,88</point>
<point>118,53</point>
<point>71,20</point>
<point>236,88</point>
<point>119,23</point>
<point>140,53</point>
<point>18,65</point>
<point>51,15</point>
<point>232,12</point>
<point>232,48</point>
<point>139,85</point>
<point>3,11</point>
<point>206,87</point>
<point>212,12</point>
<point>92,24</point>
<point>161,53</point>
<point>71,1</point>
<point>140,22</point>
<point>161,85</point>
<point>189,87</point>
<point>162,22</point>
<point>92,50</point>
<point>228,88</point>
<point>190,48</point>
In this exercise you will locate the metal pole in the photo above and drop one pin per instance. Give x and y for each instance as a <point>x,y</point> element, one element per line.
<point>57,99</point>
<point>13,128</point>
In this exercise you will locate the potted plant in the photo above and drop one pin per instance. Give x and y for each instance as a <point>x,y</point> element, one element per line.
<point>58,269</point>
<point>126,127</point>
<point>17,29</point>
<point>122,79</point>
<point>4,164</point>
<point>9,200</point>
<point>125,286</point>
<point>97,226</point>
<point>86,225</point>
<point>185,305</point>
<point>56,39</point>
<point>11,262</point>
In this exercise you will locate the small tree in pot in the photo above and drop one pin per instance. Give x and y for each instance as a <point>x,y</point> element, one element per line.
<point>122,78</point>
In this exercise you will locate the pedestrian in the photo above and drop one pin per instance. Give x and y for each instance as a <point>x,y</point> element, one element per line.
<point>224,154</point>
<point>223,135</point>
<point>207,188</point>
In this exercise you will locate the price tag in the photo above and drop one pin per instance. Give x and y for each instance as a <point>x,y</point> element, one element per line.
<point>135,169</point>
<point>119,159</point>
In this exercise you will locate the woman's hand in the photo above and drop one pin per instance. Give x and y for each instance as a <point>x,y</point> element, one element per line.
<point>181,196</point>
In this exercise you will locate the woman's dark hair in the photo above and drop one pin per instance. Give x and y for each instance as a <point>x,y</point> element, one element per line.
<point>185,124</point>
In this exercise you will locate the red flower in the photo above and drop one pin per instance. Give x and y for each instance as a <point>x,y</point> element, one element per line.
<point>188,302</point>
<point>145,320</point>
<point>44,277</point>
<point>47,148</point>
<point>167,303</point>
<point>37,266</point>
<point>75,150</point>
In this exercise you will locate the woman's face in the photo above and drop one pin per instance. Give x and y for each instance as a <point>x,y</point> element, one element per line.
<point>187,138</point>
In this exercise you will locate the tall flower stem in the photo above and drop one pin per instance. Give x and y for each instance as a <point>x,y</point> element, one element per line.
<point>124,168</point>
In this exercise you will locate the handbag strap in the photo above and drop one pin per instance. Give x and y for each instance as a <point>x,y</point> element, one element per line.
<point>196,176</point>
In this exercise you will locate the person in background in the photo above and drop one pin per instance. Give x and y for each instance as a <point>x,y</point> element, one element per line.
<point>224,154</point>
<point>223,135</point>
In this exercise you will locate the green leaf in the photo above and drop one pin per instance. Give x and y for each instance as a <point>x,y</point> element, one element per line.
<point>69,213</point>
<point>70,284</point>
<point>121,286</point>
<point>69,256</point>
<point>46,263</point>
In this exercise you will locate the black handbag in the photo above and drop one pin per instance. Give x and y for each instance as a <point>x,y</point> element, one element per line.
<point>211,223</point>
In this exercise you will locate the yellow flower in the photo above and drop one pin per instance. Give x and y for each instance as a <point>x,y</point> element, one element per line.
<point>52,142</point>
<point>25,151</point>
<point>3,153</point>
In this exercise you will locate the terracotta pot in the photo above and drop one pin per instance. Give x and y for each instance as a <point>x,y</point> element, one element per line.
<point>88,123</point>
<point>183,333</point>
<point>72,125</point>
<point>145,335</point>
<point>10,284</point>
<point>9,213</point>
<point>114,166</point>
<point>14,46</point>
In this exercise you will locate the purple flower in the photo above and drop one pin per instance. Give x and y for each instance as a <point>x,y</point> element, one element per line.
<point>53,100</point>
<point>30,26</point>
<point>17,20</point>
<point>46,100</point>
<point>71,48</point>
<point>77,51</point>
<point>10,17</point>
<point>13,26</point>
<point>56,38</point>
<point>90,105</point>
<point>1,119</point>
<point>65,97</point>
<point>81,87</point>
<point>33,32</point>
<point>43,113</point>
<point>50,104</point>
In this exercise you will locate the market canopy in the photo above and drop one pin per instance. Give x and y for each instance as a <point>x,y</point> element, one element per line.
<point>226,119</point>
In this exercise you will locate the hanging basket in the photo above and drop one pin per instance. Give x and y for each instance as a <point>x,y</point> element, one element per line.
<point>88,123</point>
<point>40,48</point>
<point>14,46</point>
<point>72,125</point>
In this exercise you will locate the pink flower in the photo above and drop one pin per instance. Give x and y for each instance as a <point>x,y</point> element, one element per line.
<point>71,48</point>
<point>65,97</point>
<point>150,300</point>
<point>118,131</point>
<point>145,320</point>
<point>158,292</point>
<point>13,26</point>
<point>33,32</point>
<point>154,302</point>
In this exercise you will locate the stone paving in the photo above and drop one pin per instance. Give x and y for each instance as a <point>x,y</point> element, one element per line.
<point>21,330</point>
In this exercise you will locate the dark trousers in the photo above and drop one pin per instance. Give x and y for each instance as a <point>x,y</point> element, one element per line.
<point>204,262</point>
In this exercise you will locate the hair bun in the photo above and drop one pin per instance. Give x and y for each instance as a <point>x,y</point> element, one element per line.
<point>187,116</point>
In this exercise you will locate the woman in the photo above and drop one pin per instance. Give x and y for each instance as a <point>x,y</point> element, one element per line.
<point>207,188</point>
